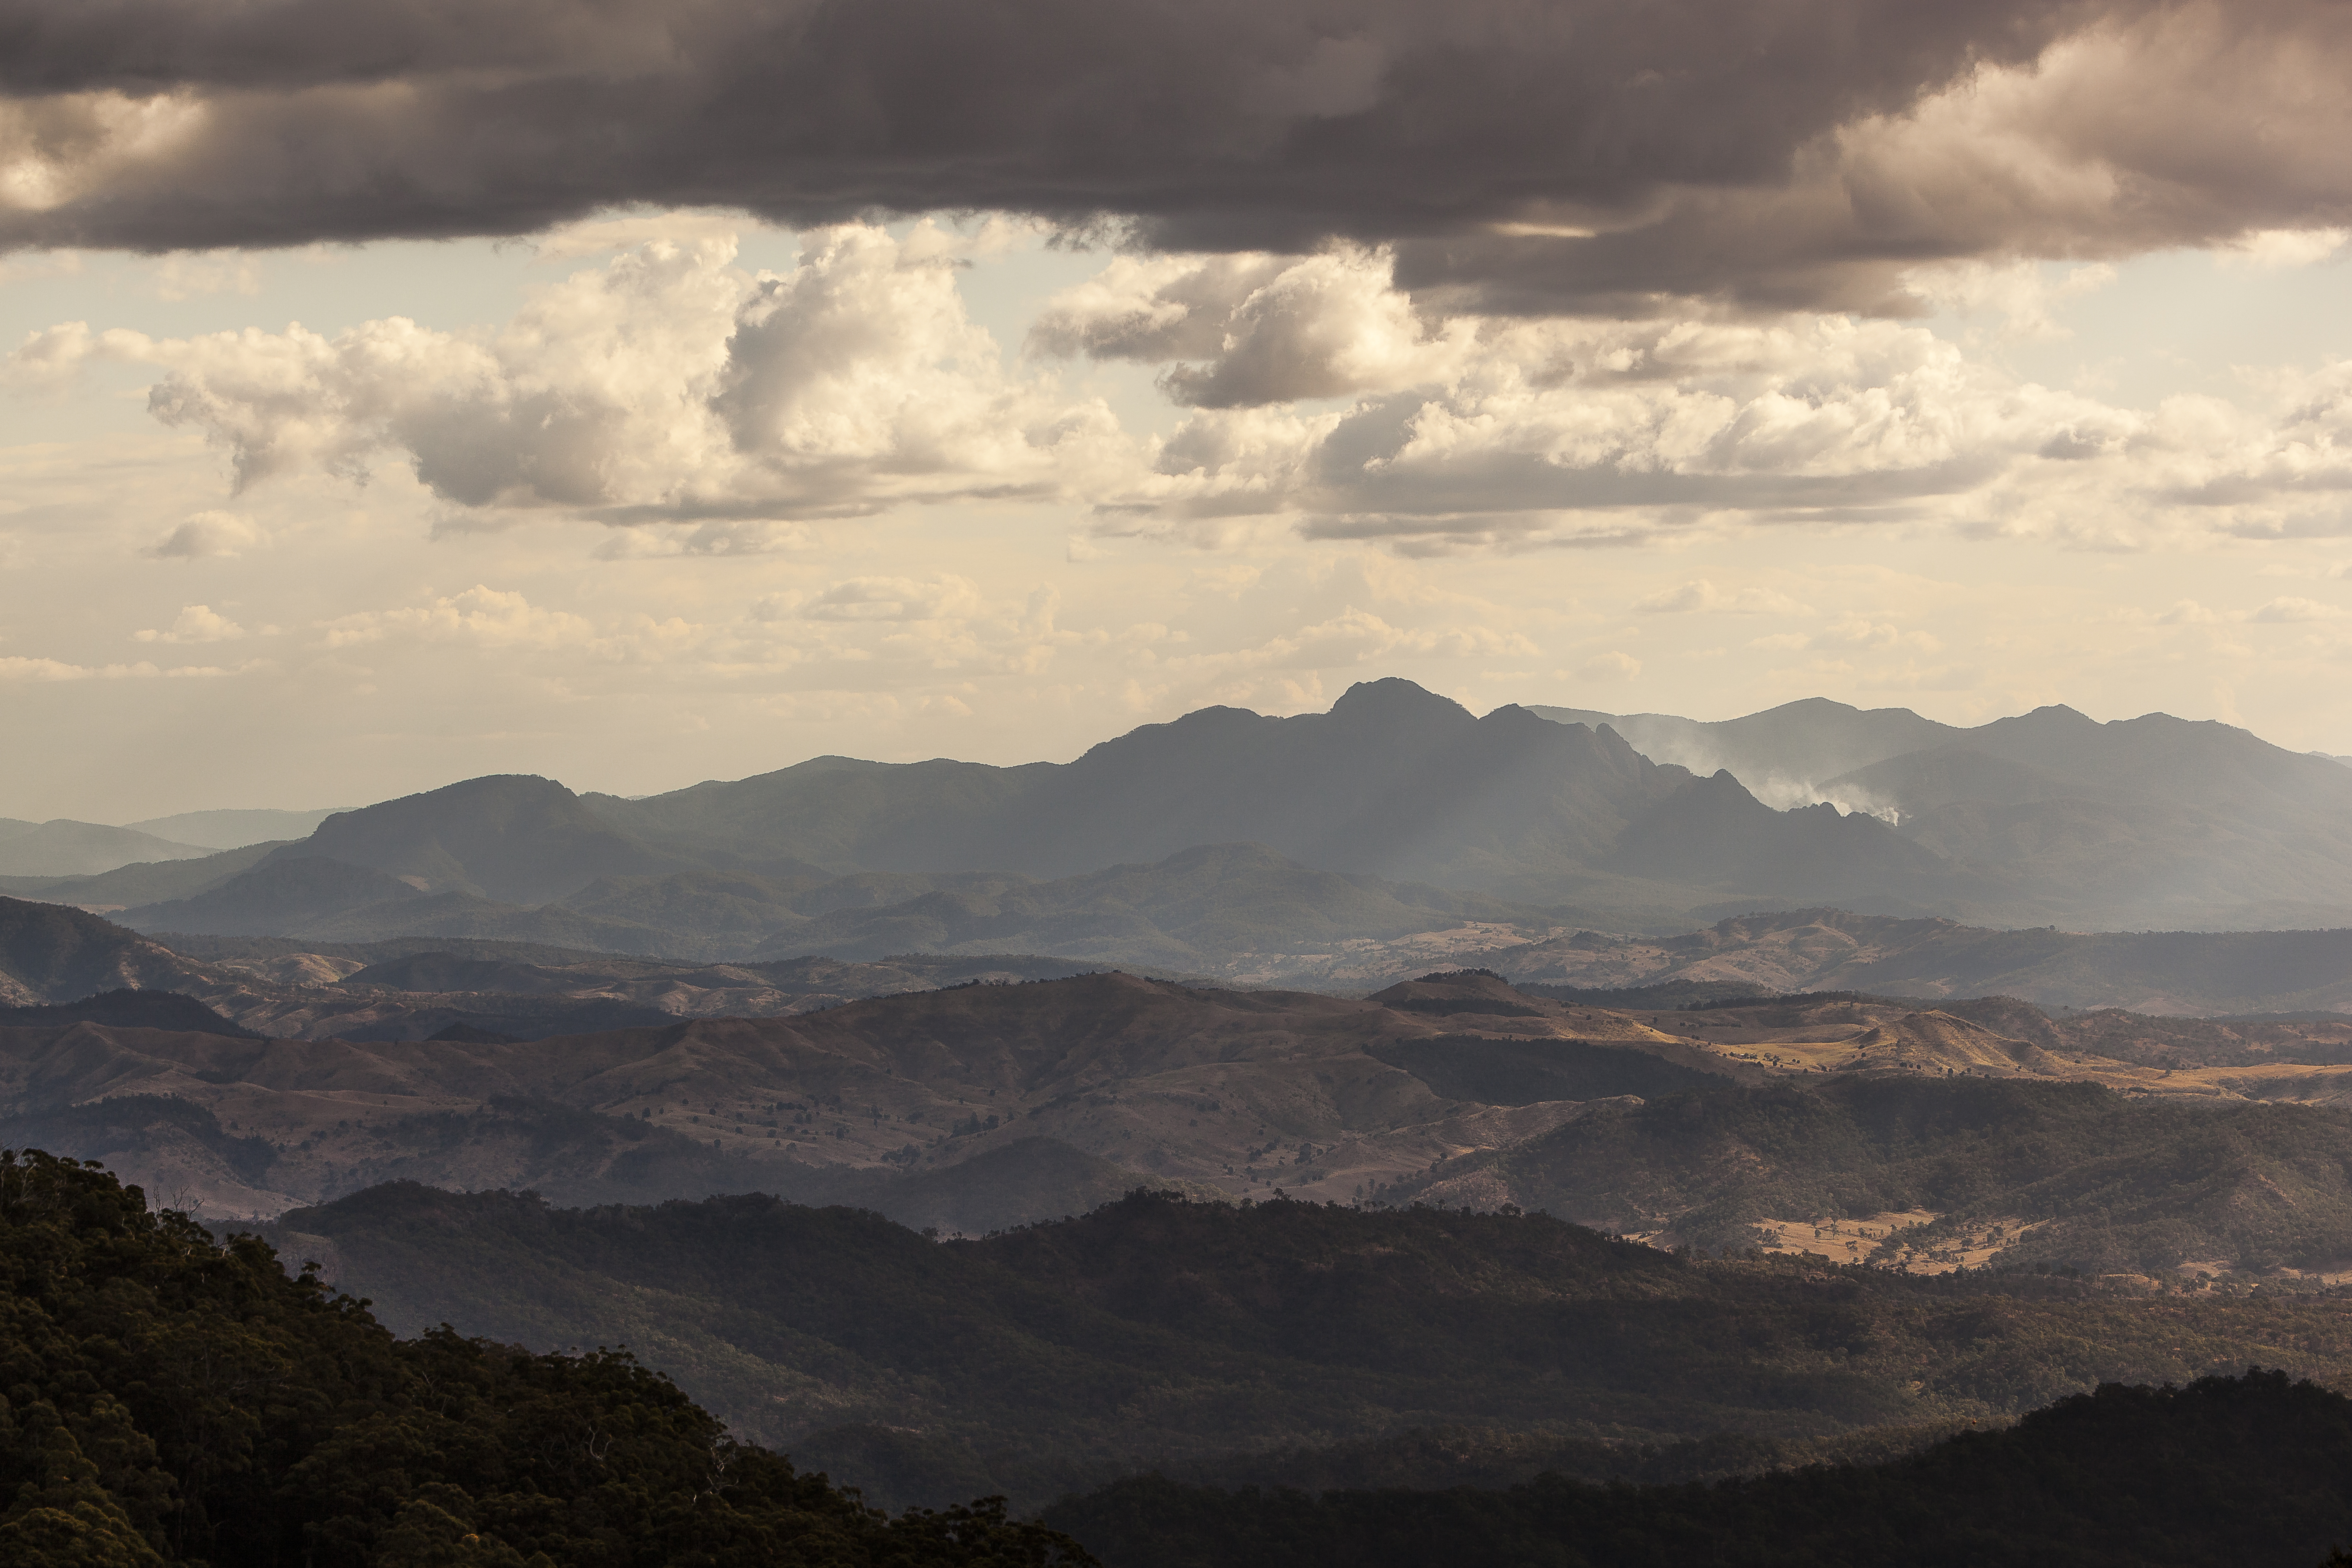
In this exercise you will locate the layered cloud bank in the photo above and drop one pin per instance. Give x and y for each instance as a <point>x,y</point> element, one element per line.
<point>724,409</point>
<point>1577,155</point>
<point>1698,354</point>
<point>668,384</point>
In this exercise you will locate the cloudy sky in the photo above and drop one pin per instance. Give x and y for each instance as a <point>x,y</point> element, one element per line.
<point>644,391</point>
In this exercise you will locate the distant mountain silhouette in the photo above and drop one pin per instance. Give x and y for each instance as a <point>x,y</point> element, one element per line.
<point>140,882</point>
<point>277,896</point>
<point>1796,744</point>
<point>2153,821</point>
<point>1395,781</point>
<point>2046,817</point>
<point>68,848</point>
<point>233,829</point>
<point>1197,909</point>
<point>510,837</point>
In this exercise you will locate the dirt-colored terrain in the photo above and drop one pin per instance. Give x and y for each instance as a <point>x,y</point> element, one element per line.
<point>632,1079</point>
<point>1239,1091</point>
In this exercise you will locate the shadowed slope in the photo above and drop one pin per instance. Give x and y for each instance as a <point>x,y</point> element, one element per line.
<point>2225,1473</point>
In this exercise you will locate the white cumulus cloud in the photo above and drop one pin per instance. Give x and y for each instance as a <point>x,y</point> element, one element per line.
<point>668,386</point>
<point>197,622</point>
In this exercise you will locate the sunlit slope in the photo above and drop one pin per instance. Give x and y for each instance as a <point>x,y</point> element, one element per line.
<point>1236,1091</point>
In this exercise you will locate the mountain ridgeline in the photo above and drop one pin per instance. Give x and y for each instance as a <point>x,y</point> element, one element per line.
<point>1280,1338</point>
<point>2149,822</point>
<point>1231,842</point>
<point>1336,826</point>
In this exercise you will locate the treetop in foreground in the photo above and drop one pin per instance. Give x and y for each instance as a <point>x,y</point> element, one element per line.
<point>169,1399</point>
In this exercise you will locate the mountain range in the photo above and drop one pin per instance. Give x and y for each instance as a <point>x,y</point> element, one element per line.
<point>1228,841</point>
<point>2147,821</point>
<point>1215,906</point>
<point>63,847</point>
<point>48,851</point>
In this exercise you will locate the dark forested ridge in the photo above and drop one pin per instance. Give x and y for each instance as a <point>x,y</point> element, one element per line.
<point>1155,1331</point>
<point>171,1399</point>
<point>2228,1472</point>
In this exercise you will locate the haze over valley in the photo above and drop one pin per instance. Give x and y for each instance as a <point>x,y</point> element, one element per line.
<point>1336,847</point>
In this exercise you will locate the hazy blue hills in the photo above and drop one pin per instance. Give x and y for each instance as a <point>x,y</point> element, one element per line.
<point>234,829</point>
<point>1141,850</point>
<point>64,848</point>
<point>1394,781</point>
<point>67,849</point>
<point>1776,752</point>
<point>512,838</point>
<point>278,896</point>
<point>1197,907</point>
<point>140,882</point>
<point>2153,821</point>
<point>1200,908</point>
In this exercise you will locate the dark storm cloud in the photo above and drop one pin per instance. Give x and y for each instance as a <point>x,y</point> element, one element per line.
<point>1700,141</point>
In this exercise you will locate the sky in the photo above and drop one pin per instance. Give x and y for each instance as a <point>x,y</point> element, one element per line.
<point>637,394</point>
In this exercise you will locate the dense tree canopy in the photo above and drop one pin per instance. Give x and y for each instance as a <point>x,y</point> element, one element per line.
<point>167,1399</point>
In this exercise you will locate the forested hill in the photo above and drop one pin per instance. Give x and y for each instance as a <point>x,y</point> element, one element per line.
<point>171,1400</point>
<point>2243,1472</point>
<point>1158,1333</point>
